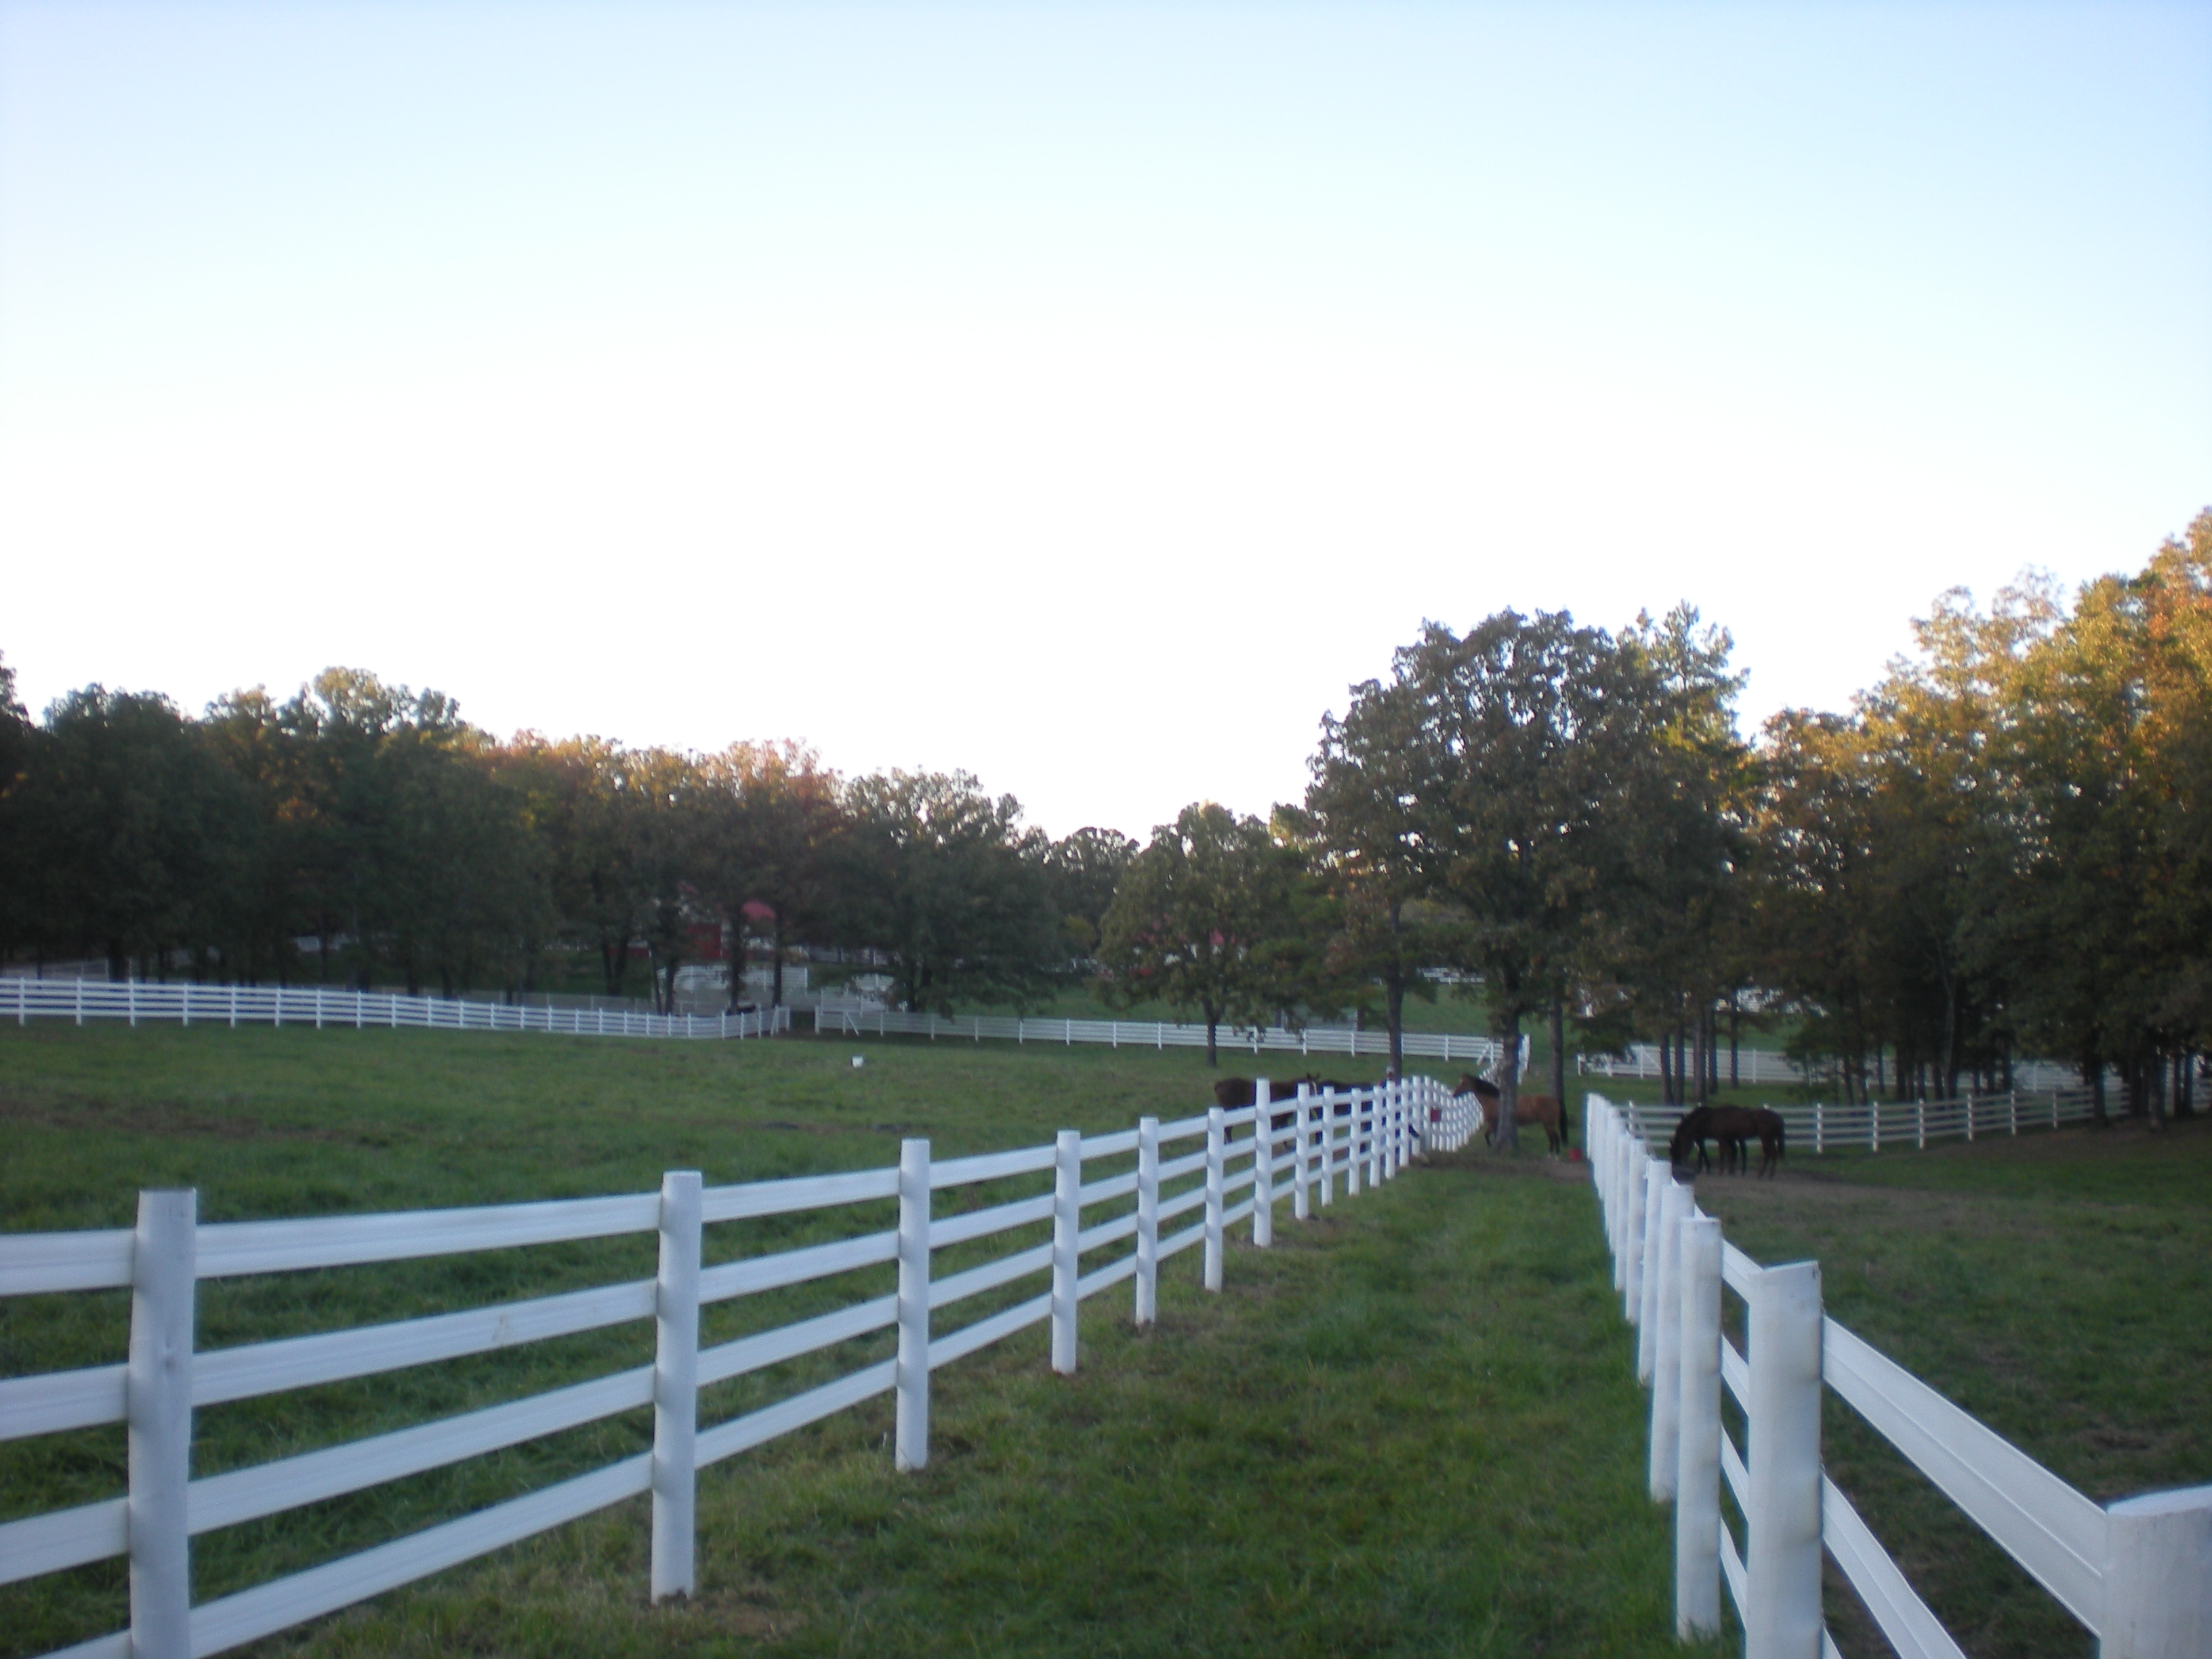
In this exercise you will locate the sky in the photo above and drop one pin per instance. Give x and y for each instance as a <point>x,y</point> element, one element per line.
<point>1084,396</point>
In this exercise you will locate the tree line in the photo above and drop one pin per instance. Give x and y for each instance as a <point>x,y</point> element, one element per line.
<point>2000,850</point>
<point>360,829</point>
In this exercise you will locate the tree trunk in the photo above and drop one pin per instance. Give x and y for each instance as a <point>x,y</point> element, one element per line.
<point>775,969</point>
<point>1559,1057</point>
<point>1394,990</point>
<point>1735,1013</point>
<point>1507,1138</point>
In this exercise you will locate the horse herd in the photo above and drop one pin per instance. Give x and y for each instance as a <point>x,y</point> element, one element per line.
<point>1734,1128</point>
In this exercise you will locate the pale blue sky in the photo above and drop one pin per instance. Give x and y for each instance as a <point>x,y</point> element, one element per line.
<point>1083,395</point>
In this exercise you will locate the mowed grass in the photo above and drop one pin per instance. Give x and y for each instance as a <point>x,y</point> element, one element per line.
<point>1410,1428</point>
<point>2055,1285</point>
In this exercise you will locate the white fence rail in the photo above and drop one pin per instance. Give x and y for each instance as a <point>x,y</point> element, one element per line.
<point>1871,1126</point>
<point>1757,1065</point>
<point>185,1003</point>
<point>854,1020</point>
<point>1297,1149</point>
<point>2136,1574</point>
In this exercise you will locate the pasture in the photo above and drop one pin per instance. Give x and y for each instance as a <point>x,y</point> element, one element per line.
<point>1408,1428</point>
<point>2054,1286</point>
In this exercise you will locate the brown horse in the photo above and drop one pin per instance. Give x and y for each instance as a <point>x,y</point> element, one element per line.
<point>1230,1093</point>
<point>1528,1108</point>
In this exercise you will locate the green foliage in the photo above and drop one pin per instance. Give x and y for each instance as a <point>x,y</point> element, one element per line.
<point>1084,868</point>
<point>2001,849</point>
<point>371,821</point>
<point>131,832</point>
<point>951,888</point>
<point>1197,921</point>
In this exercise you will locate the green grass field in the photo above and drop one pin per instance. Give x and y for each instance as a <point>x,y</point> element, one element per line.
<point>1410,1428</point>
<point>2054,1286</point>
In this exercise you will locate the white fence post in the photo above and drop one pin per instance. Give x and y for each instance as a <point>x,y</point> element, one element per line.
<point>1327,1139</point>
<point>910,1445</point>
<point>1355,1145</point>
<point>159,1410</point>
<point>1698,1466</point>
<point>1263,1166</point>
<point>1216,1151</point>
<point>1618,1199</point>
<point>1667,1343</point>
<point>1066,1225</point>
<point>1631,1238</point>
<point>1148,1221</point>
<point>676,1389</point>
<point>1654,1175</point>
<point>1301,1198</point>
<point>2158,1578</point>
<point>1782,1545</point>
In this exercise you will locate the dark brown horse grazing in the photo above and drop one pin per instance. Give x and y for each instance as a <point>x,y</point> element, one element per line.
<point>1695,1129</point>
<point>1527,1108</point>
<point>1732,1126</point>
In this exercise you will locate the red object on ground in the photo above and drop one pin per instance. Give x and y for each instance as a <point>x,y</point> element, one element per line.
<point>1574,1154</point>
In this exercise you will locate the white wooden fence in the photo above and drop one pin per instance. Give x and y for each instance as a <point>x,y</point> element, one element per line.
<point>1308,1146</point>
<point>1756,1065</point>
<point>852,1019</point>
<point>321,1006</point>
<point>2136,1574</point>
<point>1871,1126</point>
